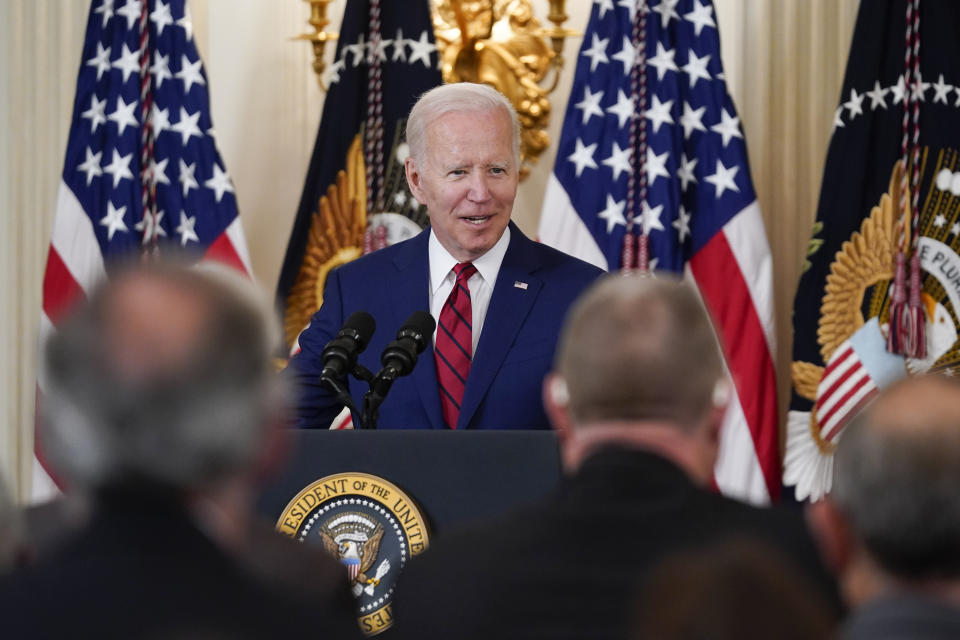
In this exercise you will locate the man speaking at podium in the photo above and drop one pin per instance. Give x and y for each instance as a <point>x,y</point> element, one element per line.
<point>498,297</point>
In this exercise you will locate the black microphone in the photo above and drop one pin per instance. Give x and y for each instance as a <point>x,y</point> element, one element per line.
<point>400,355</point>
<point>340,355</point>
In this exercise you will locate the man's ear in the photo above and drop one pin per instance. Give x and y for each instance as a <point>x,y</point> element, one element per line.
<point>414,179</point>
<point>556,400</point>
<point>832,533</point>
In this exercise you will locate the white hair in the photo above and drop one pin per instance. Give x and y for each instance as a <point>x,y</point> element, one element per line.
<point>459,97</point>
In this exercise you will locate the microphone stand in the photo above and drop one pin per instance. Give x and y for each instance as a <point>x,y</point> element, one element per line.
<point>359,372</point>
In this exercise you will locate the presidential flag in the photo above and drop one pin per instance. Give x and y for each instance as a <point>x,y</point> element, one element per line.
<point>142,172</point>
<point>890,193</point>
<point>669,176</point>
<point>355,197</point>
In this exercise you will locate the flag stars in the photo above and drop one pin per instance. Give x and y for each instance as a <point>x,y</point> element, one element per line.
<point>651,218</point>
<point>331,75</point>
<point>590,105</point>
<point>855,104</point>
<point>631,6</point>
<point>161,16</point>
<point>656,165</point>
<point>187,126</point>
<point>939,221</point>
<point>582,156</point>
<point>101,60</point>
<point>955,228</point>
<point>159,119</point>
<point>898,90</point>
<point>160,68</point>
<point>158,172</point>
<point>613,213</point>
<point>918,88</point>
<point>627,55</point>
<point>123,115</point>
<point>685,171</point>
<point>113,221</point>
<point>723,179</point>
<point>91,166</point>
<point>130,11</point>
<point>357,50</point>
<point>399,47</point>
<point>605,5</point>
<point>663,61</point>
<point>692,120</point>
<point>150,227</point>
<point>220,182</point>
<point>421,49</point>
<point>189,73</point>
<point>106,11</point>
<point>659,113</point>
<point>876,96</point>
<point>597,52</point>
<point>701,16</point>
<point>838,118</point>
<point>128,62</point>
<point>696,68</point>
<point>728,127</point>
<point>186,23</point>
<point>119,168</point>
<point>96,113</point>
<point>667,9</point>
<point>623,109</point>
<point>619,160</point>
<point>186,229</point>
<point>941,90</point>
<point>682,224</point>
<point>187,179</point>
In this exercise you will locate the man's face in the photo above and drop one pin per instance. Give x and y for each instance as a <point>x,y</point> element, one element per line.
<point>468,180</point>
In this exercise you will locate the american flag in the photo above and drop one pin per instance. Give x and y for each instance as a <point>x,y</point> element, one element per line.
<point>700,212</point>
<point>142,169</point>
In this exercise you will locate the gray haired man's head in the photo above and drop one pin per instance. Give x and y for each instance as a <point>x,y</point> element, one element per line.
<point>163,376</point>
<point>897,477</point>
<point>639,349</point>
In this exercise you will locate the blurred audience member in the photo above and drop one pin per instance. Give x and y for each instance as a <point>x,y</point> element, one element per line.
<point>733,590</point>
<point>11,540</point>
<point>891,524</point>
<point>162,406</point>
<point>637,399</point>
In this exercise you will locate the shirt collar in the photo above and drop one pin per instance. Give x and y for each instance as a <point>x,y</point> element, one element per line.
<point>488,265</point>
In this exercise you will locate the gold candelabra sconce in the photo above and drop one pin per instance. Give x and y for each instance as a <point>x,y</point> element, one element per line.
<point>319,38</point>
<point>496,42</point>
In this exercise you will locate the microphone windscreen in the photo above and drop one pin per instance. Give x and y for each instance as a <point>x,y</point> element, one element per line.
<point>363,324</point>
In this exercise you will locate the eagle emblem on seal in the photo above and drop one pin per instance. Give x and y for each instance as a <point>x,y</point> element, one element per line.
<point>355,539</point>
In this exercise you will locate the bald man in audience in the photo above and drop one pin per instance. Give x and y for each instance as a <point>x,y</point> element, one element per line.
<point>637,397</point>
<point>891,522</point>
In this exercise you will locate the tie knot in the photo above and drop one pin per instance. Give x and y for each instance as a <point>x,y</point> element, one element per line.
<point>463,271</point>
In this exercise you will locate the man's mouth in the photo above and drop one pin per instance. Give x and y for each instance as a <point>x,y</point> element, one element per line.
<point>477,219</point>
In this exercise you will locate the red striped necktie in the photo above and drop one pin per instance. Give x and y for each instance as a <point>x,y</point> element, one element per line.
<point>454,344</point>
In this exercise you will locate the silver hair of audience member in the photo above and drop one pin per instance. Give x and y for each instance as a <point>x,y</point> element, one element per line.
<point>457,97</point>
<point>640,348</point>
<point>181,428</point>
<point>899,489</point>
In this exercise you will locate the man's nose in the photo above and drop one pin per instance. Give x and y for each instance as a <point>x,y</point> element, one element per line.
<point>479,187</point>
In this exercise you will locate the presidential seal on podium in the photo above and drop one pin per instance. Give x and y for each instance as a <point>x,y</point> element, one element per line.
<point>370,525</point>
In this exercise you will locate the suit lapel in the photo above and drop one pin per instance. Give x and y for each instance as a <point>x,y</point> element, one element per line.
<point>408,294</point>
<point>509,306</point>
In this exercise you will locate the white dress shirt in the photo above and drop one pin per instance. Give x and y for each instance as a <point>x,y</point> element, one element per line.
<point>480,284</point>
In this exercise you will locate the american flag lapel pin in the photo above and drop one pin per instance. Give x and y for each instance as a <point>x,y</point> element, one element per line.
<point>520,285</point>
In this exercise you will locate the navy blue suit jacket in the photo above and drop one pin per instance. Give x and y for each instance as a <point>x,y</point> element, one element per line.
<point>515,351</point>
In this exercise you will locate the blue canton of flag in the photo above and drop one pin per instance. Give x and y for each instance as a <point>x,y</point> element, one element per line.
<point>141,135</point>
<point>700,211</point>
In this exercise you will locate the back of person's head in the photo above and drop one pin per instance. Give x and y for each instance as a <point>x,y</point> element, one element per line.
<point>736,589</point>
<point>638,348</point>
<point>163,376</point>
<point>896,477</point>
